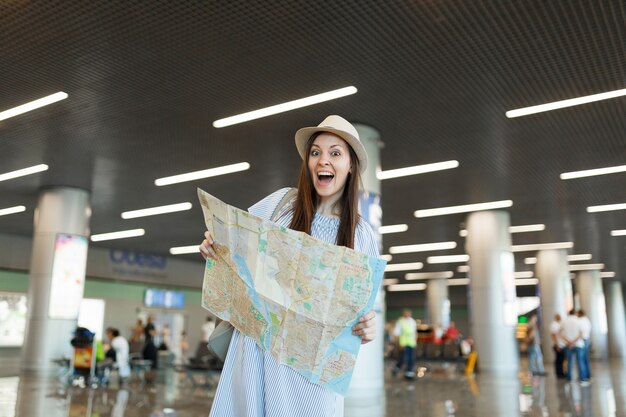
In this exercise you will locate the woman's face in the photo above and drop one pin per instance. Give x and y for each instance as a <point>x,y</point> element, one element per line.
<point>329,165</point>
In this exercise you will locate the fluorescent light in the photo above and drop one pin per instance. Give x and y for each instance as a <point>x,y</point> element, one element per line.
<point>386,257</point>
<point>407,287</point>
<point>606,207</point>
<point>458,281</point>
<point>530,261</point>
<point>428,275</point>
<point>390,281</point>
<point>527,228</point>
<point>44,101</point>
<point>463,232</point>
<point>621,232</point>
<point>404,267</point>
<point>524,274</point>
<point>422,247</point>
<point>607,274</point>
<point>118,235</point>
<point>447,259</point>
<point>205,173</point>
<point>12,210</point>
<point>585,267</point>
<point>542,246</point>
<point>592,172</point>
<point>153,211</point>
<point>280,108</point>
<point>525,111</point>
<point>463,209</point>
<point>581,257</point>
<point>22,172</point>
<point>528,281</point>
<point>393,228</point>
<point>463,268</point>
<point>180,250</point>
<point>417,169</point>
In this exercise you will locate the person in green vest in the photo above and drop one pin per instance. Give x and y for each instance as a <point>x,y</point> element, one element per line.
<point>406,336</point>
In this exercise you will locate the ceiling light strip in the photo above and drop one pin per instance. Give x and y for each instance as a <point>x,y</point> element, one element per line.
<point>585,267</point>
<point>407,287</point>
<point>592,172</point>
<point>180,250</point>
<point>525,111</point>
<point>524,274</point>
<point>153,211</point>
<point>206,173</point>
<point>466,208</point>
<point>118,235</point>
<point>447,259</point>
<point>527,281</point>
<point>542,246</point>
<point>458,281</point>
<point>606,207</point>
<point>608,274</point>
<point>417,169</point>
<point>580,257</point>
<point>281,108</point>
<point>410,266</point>
<point>386,257</point>
<point>24,171</point>
<point>422,247</point>
<point>390,281</point>
<point>12,210</point>
<point>463,268</point>
<point>428,275</point>
<point>393,228</point>
<point>527,228</point>
<point>621,232</point>
<point>44,101</point>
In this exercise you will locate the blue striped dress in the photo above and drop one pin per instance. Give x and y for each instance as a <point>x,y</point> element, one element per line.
<point>253,384</point>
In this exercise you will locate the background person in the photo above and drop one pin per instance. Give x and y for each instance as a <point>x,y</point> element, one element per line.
<point>558,345</point>
<point>406,335</point>
<point>120,345</point>
<point>326,207</point>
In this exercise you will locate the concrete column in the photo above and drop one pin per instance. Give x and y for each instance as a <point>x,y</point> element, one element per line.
<point>438,302</point>
<point>366,395</point>
<point>57,276</point>
<point>493,296</point>
<point>553,274</point>
<point>616,320</point>
<point>589,288</point>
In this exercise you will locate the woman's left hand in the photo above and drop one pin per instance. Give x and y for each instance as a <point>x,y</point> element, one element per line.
<point>366,327</point>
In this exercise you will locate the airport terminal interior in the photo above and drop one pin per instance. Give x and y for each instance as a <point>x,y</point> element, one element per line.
<point>493,186</point>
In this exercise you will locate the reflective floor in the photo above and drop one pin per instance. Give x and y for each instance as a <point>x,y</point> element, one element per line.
<point>442,391</point>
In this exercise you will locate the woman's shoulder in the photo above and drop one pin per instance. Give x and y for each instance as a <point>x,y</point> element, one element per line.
<point>365,239</point>
<point>265,207</point>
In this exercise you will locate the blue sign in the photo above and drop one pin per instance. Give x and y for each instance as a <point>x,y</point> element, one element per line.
<point>155,297</point>
<point>130,258</point>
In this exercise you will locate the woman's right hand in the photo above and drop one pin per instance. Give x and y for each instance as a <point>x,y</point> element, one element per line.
<point>206,247</point>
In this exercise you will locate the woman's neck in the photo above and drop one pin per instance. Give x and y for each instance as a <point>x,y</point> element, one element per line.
<point>329,207</point>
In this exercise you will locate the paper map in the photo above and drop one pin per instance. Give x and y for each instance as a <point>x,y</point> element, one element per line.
<point>296,296</point>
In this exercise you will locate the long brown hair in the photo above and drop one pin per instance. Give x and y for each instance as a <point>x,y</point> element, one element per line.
<point>307,200</point>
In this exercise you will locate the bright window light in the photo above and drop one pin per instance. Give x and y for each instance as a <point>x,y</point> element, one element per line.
<point>153,211</point>
<point>527,281</point>
<point>118,235</point>
<point>44,101</point>
<point>458,281</point>
<point>447,259</point>
<point>592,172</point>
<point>585,267</point>
<point>606,207</point>
<point>581,257</point>
<point>621,232</point>
<point>407,287</point>
<point>527,228</point>
<point>607,274</point>
<point>410,266</point>
<point>205,173</point>
<point>390,281</point>
<point>280,108</point>
<point>180,250</point>
<point>530,261</point>
<point>417,169</point>
<point>525,111</point>
<point>463,209</point>
<point>386,257</point>
<point>22,172</point>
<point>524,274</point>
<point>542,246</point>
<point>12,210</point>
<point>428,275</point>
<point>393,228</point>
<point>422,247</point>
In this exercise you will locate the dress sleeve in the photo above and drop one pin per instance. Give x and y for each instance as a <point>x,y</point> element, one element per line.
<point>266,207</point>
<point>365,240</point>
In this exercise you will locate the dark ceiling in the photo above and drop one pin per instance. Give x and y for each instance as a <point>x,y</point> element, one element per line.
<point>146,79</point>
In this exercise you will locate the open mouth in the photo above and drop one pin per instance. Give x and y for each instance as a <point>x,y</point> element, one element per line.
<point>324,177</point>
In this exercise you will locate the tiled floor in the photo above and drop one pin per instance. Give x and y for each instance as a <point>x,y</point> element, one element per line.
<point>441,392</point>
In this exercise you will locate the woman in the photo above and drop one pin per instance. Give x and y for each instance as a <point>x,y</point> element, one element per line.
<point>326,207</point>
